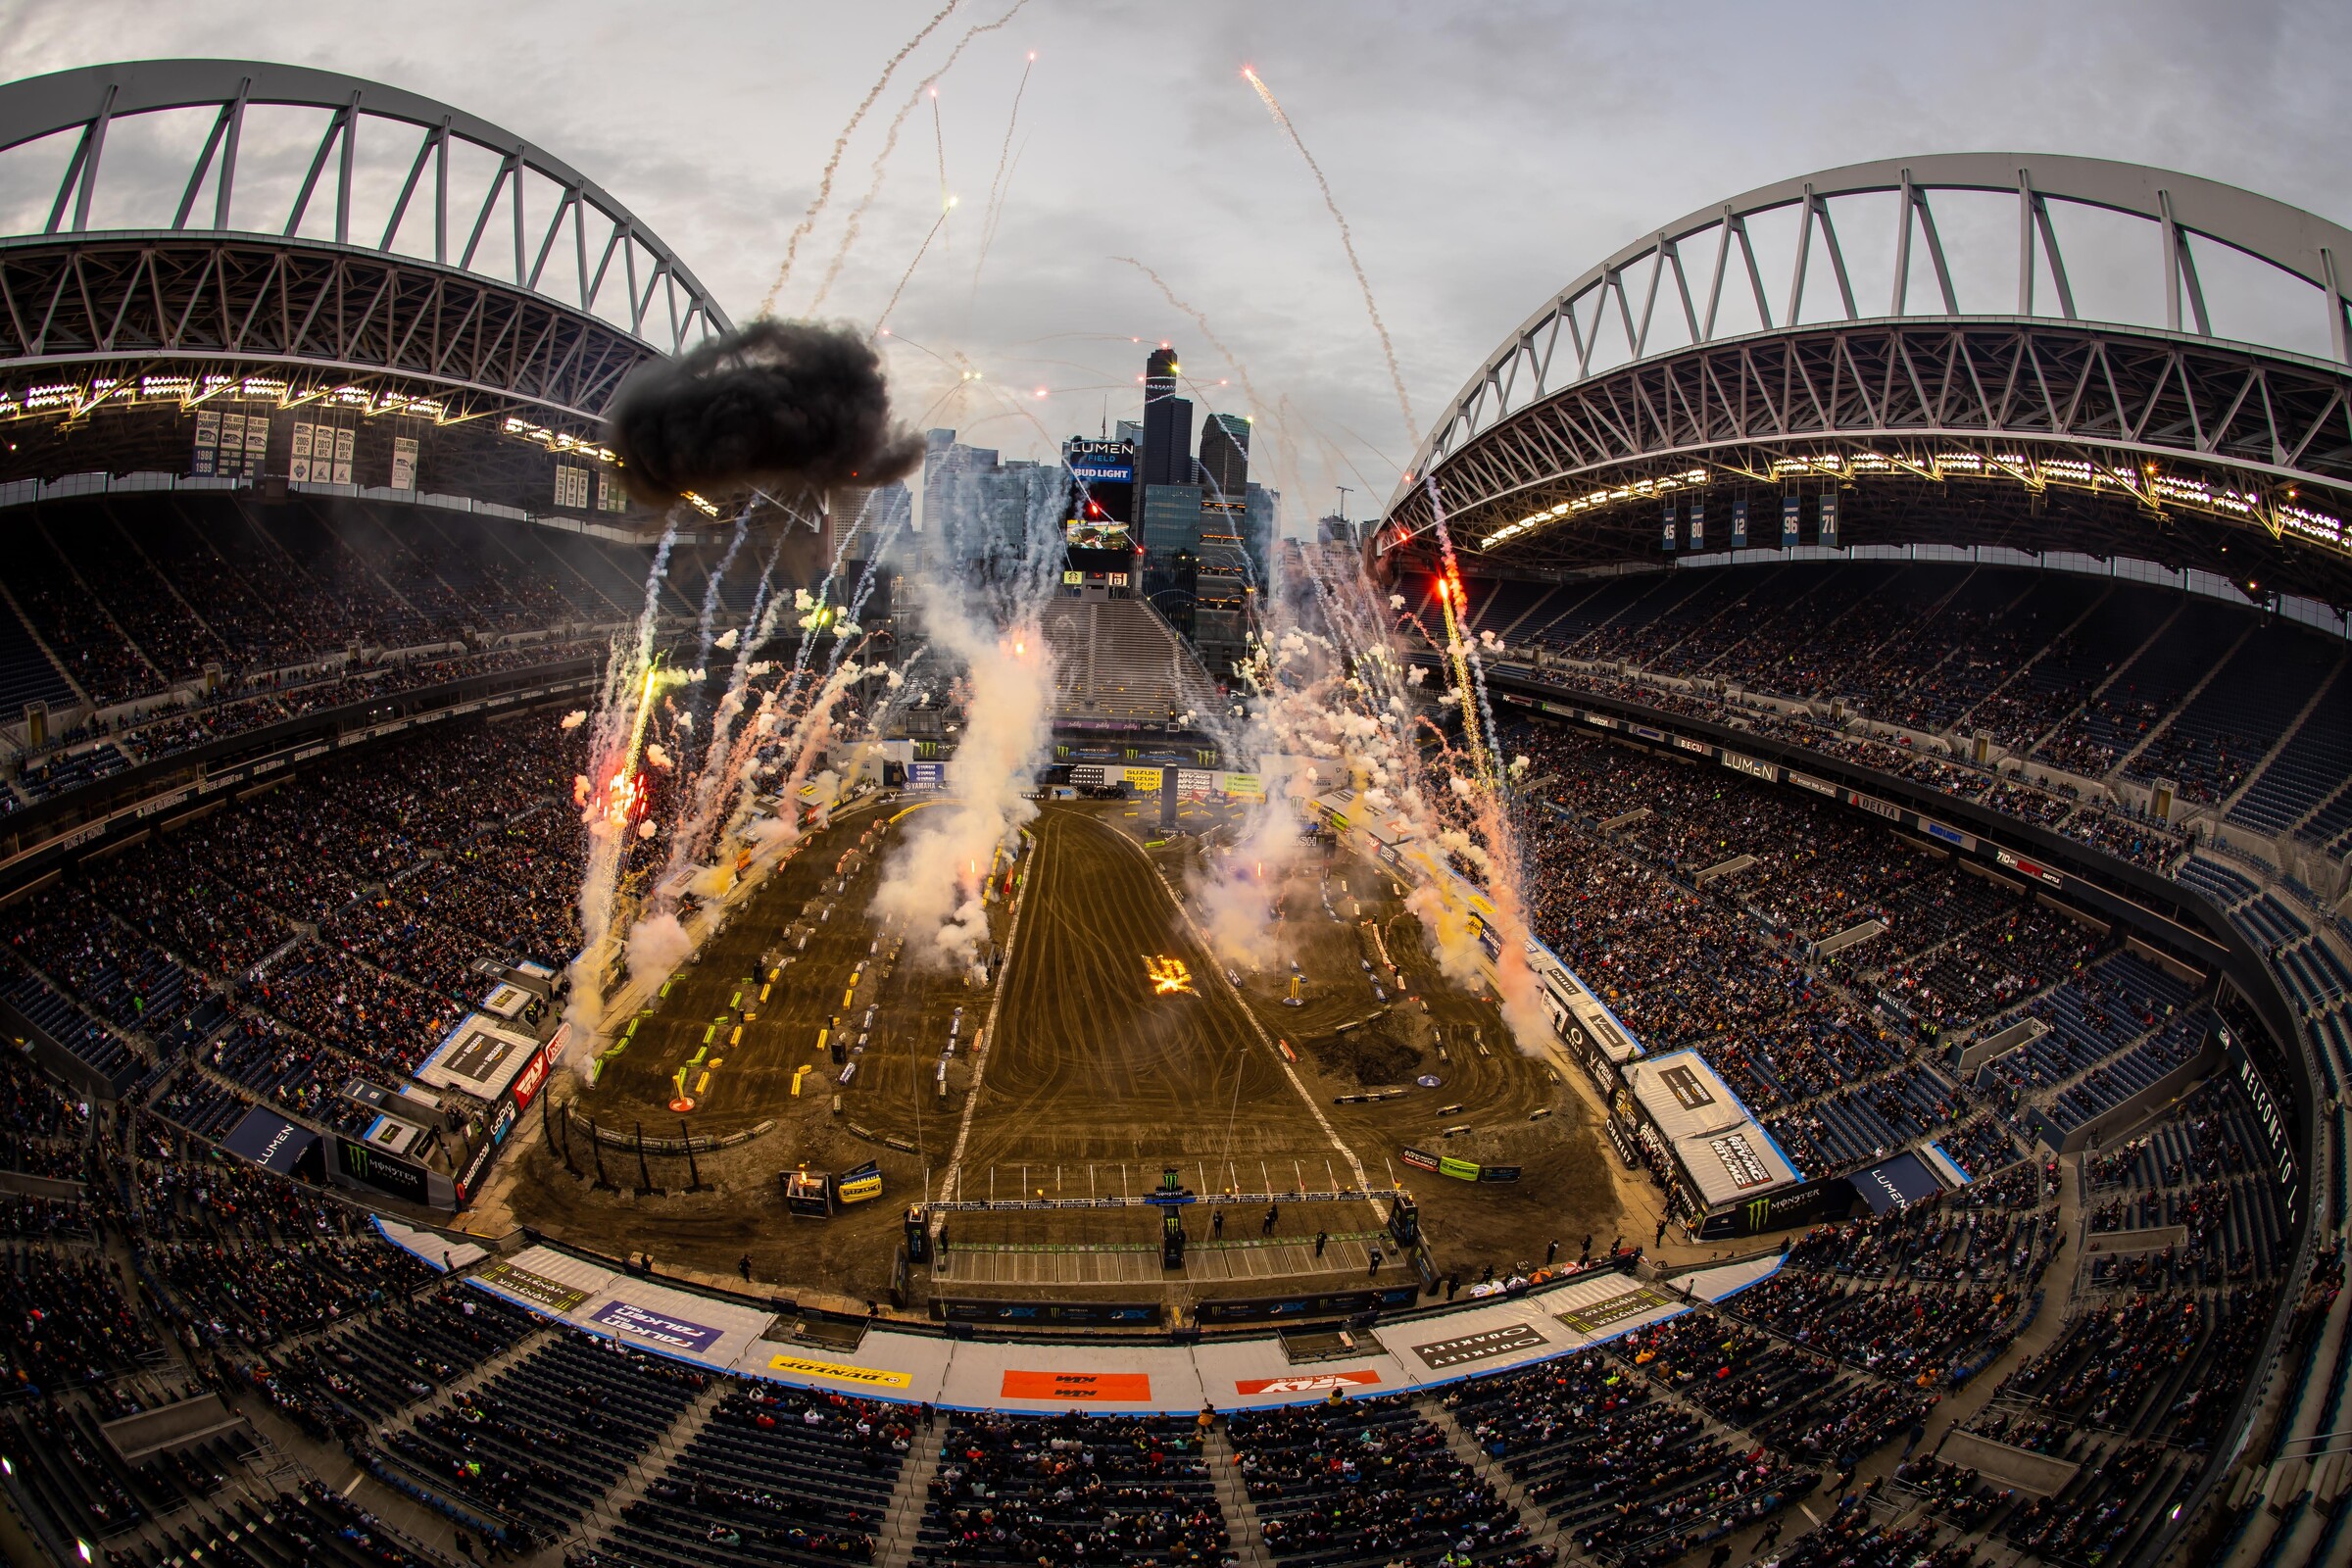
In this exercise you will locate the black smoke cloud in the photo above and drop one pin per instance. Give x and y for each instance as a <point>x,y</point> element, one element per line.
<point>778,404</point>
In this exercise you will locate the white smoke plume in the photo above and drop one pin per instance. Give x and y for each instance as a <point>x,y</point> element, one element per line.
<point>987,580</point>
<point>1338,686</point>
<point>657,946</point>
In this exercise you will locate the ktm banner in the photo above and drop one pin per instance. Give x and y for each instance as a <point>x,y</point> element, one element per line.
<point>1119,1387</point>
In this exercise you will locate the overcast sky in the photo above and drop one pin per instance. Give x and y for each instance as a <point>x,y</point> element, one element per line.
<point>1483,154</point>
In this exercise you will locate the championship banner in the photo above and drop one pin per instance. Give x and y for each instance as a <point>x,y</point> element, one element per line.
<point>1790,505</point>
<point>404,464</point>
<point>208,442</point>
<point>1698,525</point>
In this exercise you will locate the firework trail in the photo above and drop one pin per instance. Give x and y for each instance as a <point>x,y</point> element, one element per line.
<point>1388,350</point>
<point>841,145</point>
<point>995,181</point>
<point>690,834</point>
<point>743,524</point>
<point>1200,322</point>
<point>907,276</point>
<point>939,141</point>
<point>890,144</point>
<point>1478,726</point>
<point>606,792</point>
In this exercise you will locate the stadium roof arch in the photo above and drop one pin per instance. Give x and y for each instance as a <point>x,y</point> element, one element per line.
<point>265,247</point>
<point>2036,425</point>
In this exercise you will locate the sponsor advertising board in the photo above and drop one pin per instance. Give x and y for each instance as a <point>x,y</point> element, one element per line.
<point>1310,1383</point>
<point>864,1377</point>
<point>537,1289</point>
<point>1063,1388</point>
<point>1483,1345</point>
<point>656,1328</point>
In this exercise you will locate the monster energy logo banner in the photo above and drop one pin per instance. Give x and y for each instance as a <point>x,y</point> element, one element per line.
<point>1827,1199</point>
<point>376,1169</point>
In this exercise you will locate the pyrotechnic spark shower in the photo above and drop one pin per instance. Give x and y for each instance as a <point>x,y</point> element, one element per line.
<point>995,181</point>
<point>890,144</point>
<point>1388,350</point>
<point>841,145</point>
<point>1478,721</point>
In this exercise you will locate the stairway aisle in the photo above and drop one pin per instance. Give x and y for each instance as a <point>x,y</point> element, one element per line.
<point>1246,1535</point>
<point>902,1519</point>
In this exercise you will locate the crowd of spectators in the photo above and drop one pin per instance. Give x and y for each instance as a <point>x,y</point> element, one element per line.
<point>66,1319</point>
<point>238,619</point>
<point>1841,1054</point>
<point>338,913</point>
<point>539,1443</point>
<point>1624,1471</point>
<point>1920,652</point>
<point>1074,1488</point>
<point>1366,1480</point>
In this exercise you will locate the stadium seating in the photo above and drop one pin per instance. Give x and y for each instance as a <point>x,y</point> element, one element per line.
<point>1069,1489</point>
<point>1117,661</point>
<point>774,1477</point>
<point>229,967</point>
<point>1364,1482</point>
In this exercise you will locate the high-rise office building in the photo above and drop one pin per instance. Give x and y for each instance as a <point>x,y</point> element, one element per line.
<point>985,517</point>
<point>1225,457</point>
<point>1262,525</point>
<point>1168,447</point>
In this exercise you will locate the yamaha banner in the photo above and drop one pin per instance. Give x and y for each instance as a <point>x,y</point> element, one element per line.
<point>1666,537</point>
<point>1829,519</point>
<point>1788,508</point>
<point>1698,525</point>
<point>1739,524</point>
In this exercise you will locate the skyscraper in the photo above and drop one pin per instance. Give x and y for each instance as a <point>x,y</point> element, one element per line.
<point>1168,455</point>
<point>984,516</point>
<point>1225,457</point>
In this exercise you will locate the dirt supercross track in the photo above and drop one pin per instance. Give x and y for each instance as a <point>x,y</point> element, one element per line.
<point>1111,1044</point>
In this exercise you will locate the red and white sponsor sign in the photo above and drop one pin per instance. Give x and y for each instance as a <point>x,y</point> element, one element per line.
<point>1310,1383</point>
<point>2035,869</point>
